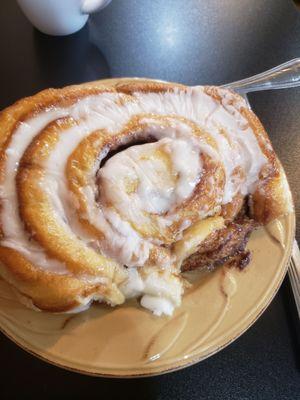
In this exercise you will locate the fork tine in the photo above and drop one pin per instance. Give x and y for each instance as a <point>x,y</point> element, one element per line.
<point>296,289</point>
<point>296,296</point>
<point>296,258</point>
<point>294,274</point>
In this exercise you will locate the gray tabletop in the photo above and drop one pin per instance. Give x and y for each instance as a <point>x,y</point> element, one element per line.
<point>193,42</point>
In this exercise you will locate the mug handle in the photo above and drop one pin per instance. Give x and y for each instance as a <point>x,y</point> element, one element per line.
<point>91,6</point>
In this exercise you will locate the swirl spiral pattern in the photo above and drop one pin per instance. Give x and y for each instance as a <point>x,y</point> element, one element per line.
<point>106,190</point>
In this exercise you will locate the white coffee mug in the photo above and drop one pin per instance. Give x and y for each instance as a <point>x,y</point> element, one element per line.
<point>60,17</point>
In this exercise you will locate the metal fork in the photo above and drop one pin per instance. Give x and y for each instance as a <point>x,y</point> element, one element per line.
<point>283,76</point>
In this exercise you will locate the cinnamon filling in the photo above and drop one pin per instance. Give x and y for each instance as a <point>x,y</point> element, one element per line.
<point>224,246</point>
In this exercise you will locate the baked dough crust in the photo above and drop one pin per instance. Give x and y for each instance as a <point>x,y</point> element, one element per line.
<point>62,292</point>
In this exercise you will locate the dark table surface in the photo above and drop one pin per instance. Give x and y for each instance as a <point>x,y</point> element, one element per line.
<point>193,42</point>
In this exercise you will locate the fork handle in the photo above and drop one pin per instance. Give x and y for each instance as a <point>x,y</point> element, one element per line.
<point>283,76</point>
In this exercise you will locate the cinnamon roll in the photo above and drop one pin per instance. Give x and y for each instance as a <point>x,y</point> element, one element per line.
<point>109,193</point>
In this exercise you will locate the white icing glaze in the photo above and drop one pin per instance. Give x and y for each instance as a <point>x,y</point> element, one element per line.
<point>160,186</point>
<point>160,292</point>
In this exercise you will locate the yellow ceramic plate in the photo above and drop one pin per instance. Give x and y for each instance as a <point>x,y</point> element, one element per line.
<point>129,341</point>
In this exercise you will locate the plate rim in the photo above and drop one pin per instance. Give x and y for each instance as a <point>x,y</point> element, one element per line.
<point>194,359</point>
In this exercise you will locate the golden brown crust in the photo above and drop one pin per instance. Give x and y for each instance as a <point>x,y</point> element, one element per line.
<point>84,157</point>
<point>49,292</point>
<point>147,87</point>
<point>35,207</point>
<point>54,292</point>
<point>272,197</point>
<point>230,210</point>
